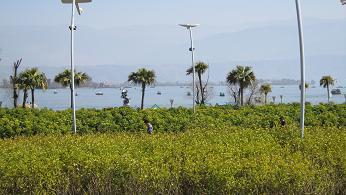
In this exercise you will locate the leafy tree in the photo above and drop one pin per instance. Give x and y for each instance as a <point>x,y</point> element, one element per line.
<point>242,76</point>
<point>142,77</point>
<point>15,82</point>
<point>35,80</point>
<point>326,82</point>
<point>253,89</point>
<point>200,69</point>
<point>266,89</point>
<point>64,78</point>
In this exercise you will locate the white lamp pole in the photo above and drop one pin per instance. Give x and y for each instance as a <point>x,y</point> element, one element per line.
<point>302,68</point>
<point>192,49</point>
<point>73,28</point>
<point>343,2</point>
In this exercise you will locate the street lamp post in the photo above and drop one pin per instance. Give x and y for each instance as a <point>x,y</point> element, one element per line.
<point>192,49</point>
<point>343,2</point>
<point>73,28</point>
<point>302,68</point>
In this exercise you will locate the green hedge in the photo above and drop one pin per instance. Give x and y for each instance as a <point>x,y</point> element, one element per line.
<point>228,160</point>
<point>14,122</point>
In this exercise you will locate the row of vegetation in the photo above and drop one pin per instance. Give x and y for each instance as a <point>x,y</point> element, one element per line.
<point>213,160</point>
<point>32,79</point>
<point>240,79</point>
<point>26,122</point>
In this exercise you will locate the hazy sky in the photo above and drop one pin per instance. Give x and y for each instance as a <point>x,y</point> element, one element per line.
<point>123,33</point>
<point>104,13</point>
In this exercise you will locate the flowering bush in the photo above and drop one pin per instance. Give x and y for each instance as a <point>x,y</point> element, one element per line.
<point>219,160</point>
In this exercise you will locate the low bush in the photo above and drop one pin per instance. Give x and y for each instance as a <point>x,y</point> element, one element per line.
<point>220,160</point>
<point>21,122</point>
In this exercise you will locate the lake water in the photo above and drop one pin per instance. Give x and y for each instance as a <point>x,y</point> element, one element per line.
<point>111,97</point>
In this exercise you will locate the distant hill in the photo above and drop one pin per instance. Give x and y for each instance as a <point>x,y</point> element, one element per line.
<point>111,54</point>
<point>316,67</point>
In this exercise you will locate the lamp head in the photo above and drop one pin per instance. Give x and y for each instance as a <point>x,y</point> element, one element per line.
<point>79,9</point>
<point>343,2</point>
<point>188,26</point>
<point>77,1</point>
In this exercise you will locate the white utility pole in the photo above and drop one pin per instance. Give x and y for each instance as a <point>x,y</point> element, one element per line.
<point>302,68</point>
<point>192,49</point>
<point>73,28</point>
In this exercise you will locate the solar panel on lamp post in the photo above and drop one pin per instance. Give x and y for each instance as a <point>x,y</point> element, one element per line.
<point>343,2</point>
<point>73,28</point>
<point>192,49</point>
<point>302,68</point>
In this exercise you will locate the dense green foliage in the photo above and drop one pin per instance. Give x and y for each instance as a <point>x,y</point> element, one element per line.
<point>229,160</point>
<point>14,122</point>
<point>219,150</point>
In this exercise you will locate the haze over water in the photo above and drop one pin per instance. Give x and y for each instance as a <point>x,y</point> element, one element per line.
<point>87,97</point>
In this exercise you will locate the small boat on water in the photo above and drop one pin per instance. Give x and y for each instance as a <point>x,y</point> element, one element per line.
<point>222,94</point>
<point>336,92</point>
<point>159,93</point>
<point>188,93</point>
<point>99,93</point>
<point>55,92</point>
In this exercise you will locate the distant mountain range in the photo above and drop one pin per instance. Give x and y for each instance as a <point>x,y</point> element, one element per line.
<point>109,55</point>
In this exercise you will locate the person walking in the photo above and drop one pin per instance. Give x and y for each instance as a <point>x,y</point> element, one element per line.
<point>149,126</point>
<point>282,121</point>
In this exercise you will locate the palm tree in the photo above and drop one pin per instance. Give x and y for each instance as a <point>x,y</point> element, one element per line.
<point>24,84</point>
<point>35,80</point>
<point>326,82</point>
<point>200,69</point>
<point>242,76</point>
<point>142,77</point>
<point>64,78</point>
<point>265,89</point>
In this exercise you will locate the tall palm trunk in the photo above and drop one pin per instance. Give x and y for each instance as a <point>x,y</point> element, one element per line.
<point>32,98</point>
<point>25,97</point>
<point>265,98</point>
<point>241,96</point>
<point>15,96</point>
<point>143,93</point>
<point>201,88</point>
<point>71,96</point>
<point>328,93</point>
<point>15,89</point>
<point>15,83</point>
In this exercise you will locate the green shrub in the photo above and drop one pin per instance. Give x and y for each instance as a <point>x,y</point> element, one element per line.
<point>17,122</point>
<point>224,160</point>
